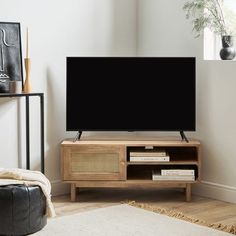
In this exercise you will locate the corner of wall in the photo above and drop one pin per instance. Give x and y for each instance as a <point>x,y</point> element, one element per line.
<point>59,188</point>
<point>215,191</point>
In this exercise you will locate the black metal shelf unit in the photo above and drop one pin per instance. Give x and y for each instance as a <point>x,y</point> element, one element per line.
<point>27,98</point>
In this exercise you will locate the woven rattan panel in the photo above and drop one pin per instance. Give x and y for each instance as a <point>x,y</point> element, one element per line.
<point>95,162</point>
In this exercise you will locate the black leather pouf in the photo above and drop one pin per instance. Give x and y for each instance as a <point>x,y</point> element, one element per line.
<point>22,209</point>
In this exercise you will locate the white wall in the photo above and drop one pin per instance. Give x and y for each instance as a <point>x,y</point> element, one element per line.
<point>164,31</point>
<point>58,29</point>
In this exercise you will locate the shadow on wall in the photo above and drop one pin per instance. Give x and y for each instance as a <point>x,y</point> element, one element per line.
<point>8,104</point>
<point>102,27</point>
<point>55,124</point>
<point>50,125</point>
<point>114,28</point>
<point>124,28</point>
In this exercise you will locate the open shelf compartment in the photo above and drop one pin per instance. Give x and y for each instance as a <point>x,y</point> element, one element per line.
<point>144,172</point>
<point>176,154</point>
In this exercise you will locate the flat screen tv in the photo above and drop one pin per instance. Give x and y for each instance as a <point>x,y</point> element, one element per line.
<point>130,94</point>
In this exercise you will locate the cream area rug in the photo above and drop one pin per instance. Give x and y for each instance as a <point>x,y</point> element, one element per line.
<point>123,220</point>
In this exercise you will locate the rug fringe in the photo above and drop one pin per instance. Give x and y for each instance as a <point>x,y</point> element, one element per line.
<point>179,215</point>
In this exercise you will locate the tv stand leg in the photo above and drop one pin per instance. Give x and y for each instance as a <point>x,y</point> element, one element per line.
<point>77,137</point>
<point>188,192</point>
<point>73,192</point>
<point>183,136</point>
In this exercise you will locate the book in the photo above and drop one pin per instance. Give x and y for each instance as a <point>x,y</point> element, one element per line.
<point>148,154</point>
<point>156,175</point>
<point>177,172</point>
<point>150,158</point>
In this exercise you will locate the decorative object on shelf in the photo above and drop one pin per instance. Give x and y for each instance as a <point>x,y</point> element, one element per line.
<point>4,84</point>
<point>27,84</point>
<point>10,55</point>
<point>15,86</point>
<point>227,51</point>
<point>210,14</point>
<point>10,86</point>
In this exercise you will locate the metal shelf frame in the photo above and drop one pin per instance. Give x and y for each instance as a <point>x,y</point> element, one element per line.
<point>27,119</point>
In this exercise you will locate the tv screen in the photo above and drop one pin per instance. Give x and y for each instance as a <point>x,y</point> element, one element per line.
<point>130,94</point>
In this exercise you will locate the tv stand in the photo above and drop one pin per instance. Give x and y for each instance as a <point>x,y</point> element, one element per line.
<point>78,135</point>
<point>106,162</point>
<point>183,136</point>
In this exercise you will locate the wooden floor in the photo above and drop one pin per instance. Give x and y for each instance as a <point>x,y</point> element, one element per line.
<point>210,210</point>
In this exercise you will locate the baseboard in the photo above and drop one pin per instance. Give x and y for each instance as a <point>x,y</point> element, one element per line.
<point>59,188</point>
<point>205,189</point>
<point>215,191</point>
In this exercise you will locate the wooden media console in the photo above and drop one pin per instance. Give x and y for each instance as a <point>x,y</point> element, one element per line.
<point>106,162</point>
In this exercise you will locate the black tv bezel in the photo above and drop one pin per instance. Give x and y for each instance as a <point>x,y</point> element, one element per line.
<point>132,130</point>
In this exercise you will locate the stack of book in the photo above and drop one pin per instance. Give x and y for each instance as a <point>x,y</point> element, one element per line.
<point>174,174</point>
<point>157,155</point>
